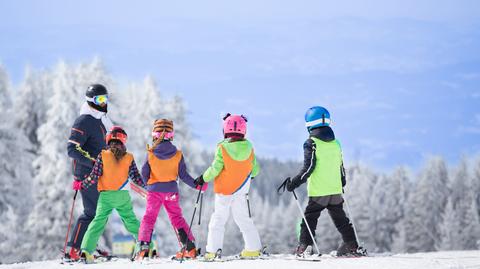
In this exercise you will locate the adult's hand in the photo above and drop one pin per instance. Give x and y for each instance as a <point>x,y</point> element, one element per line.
<point>77,185</point>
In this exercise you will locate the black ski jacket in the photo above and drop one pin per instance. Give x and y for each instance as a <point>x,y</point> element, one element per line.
<point>88,133</point>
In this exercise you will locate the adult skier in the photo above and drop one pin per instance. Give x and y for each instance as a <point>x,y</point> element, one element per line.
<point>86,141</point>
<point>325,176</point>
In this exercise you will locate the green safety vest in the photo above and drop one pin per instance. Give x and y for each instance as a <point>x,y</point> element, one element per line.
<point>326,178</point>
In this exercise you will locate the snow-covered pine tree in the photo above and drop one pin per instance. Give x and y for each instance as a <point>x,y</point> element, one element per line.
<point>378,227</point>
<point>426,206</point>
<point>52,184</point>
<point>360,182</point>
<point>397,195</point>
<point>450,228</point>
<point>388,199</point>
<point>470,230</point>
<point>459,184</point>
<point>5,99</point>
<point>175,110</point>
<point>475,185</point>
<point>470,233</point>
<point>456,215</point>
<point>139,106</point>
<point>15,198</point>
<point>30,105</point>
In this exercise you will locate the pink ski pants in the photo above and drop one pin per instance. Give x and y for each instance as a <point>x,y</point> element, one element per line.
<point>155,200</point>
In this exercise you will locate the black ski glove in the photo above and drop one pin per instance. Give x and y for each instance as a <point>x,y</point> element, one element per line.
<point>290,185</point>
<point>199,181</point>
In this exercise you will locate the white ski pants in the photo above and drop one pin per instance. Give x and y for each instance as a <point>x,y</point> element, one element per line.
<point>216,228</point>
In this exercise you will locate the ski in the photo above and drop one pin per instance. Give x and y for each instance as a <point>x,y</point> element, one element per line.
<point>199,251</point>
<point>98,259</point>
<point>139,190</point>
<point>308,259</point>
<point>217,258</point>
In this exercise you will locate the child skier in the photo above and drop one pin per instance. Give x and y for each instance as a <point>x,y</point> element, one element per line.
<point>233,167</point>
<point>112,170</point>
<point>325,176</point>
<point>163,165</point>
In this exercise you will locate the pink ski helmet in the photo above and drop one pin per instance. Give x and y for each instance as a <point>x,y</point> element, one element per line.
<point>234,125</point>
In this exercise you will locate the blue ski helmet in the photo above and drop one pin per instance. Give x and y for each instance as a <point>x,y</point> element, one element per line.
<point>317,116</point>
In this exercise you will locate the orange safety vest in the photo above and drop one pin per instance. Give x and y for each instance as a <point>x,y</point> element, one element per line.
<point>115,173</point>
<point>163,170</point>
<point>233,175</point>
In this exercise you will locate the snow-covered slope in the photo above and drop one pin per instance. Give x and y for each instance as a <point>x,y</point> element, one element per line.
<point>433,260</point>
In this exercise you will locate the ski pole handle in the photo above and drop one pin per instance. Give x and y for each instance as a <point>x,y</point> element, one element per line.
<point>283,186</point>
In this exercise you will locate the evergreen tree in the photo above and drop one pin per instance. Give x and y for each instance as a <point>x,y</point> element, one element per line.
<point>139,106</point>
<point>388,199</point>
<point>470,233</point>
<point>175,110</point>
<point>48,221</point>
<point>15,198</point>
<point>426,207</point>
<point>30,105</point>
<point>450,229</point>
<point>397,200</point>
<point>5,100</point>
<point>360,183</point>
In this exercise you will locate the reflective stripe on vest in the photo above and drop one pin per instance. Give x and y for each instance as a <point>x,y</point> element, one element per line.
<point>234,173</point>
<point>115,172</point>
<point>325,178</point>
<point>163,170</point>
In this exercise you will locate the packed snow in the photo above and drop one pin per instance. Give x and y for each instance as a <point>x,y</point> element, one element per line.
<point>433,260</point>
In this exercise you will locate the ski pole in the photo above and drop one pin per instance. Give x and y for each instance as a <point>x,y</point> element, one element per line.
<point>191,221</point>
<point>360,248</point>
<point>200,210</point>
<point>248,205</point>
<point>306,223</point>
<point>281,190</point>
<point>69,222</point>
<point>351,218</point>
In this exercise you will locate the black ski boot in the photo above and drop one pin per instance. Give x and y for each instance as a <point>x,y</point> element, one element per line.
<point>348,249</point>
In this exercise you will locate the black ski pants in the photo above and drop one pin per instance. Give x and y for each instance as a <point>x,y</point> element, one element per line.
<point>334,205</point>
<point>89,199</point>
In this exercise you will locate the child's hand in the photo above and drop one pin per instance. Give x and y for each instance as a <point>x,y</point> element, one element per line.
<point>199,181</point>
<point>202,187</point>
<point>290,184</point>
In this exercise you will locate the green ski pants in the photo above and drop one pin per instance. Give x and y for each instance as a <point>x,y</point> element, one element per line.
<point>109,200</point>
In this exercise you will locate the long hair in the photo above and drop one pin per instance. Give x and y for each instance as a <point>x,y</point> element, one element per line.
<point>118,151</point>
<point>157,141</point>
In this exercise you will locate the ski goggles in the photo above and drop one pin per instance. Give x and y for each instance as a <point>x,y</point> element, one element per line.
<point>166,135</point>
<point>99,99</point>
<point>116,136</point>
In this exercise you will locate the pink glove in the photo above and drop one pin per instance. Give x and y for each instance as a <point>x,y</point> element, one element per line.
<point>203,187</point>
<point>77,185</point>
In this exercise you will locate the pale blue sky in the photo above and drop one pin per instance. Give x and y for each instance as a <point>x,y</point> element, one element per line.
<point>401,78</point>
